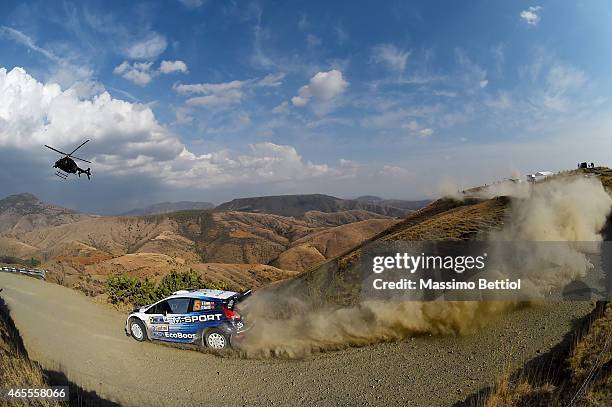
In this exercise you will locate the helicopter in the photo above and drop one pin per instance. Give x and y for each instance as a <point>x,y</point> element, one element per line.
<point>66,165</point>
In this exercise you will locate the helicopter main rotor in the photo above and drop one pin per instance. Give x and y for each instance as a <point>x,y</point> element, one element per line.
<point>73,151</point>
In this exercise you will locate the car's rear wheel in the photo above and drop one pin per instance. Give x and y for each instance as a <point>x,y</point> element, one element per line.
<point>216,339</point>
<point>138,330</point>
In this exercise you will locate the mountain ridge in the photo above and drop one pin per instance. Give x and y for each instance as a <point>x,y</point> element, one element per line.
<point>24,212</point>
<point>298,205</point>
<point>168,207</point>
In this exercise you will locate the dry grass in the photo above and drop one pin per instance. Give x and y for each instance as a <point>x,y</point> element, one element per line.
<point>508,394</point>
<point>461,223</point>
<point>586,380</point>
<point>444,219</point>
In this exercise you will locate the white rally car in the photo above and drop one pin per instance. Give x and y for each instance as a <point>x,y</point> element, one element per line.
<point>201,316</point>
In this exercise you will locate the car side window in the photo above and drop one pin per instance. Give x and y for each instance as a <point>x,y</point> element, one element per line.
<point>178,305</point>
<point>160,308</point>
<point>152,310</point>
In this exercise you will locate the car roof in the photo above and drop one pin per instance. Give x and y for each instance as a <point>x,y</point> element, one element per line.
<point>204,294</point>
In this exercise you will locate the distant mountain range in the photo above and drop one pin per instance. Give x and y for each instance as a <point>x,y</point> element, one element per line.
<point>242,248</point>
<point>24,212</point>
<point>395,203</point>
<point>299,205</point>
<point>168,207</point>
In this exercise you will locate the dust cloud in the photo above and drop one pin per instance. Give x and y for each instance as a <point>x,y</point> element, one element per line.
<point>569,211</point>
<point>449,188</point>
<point>565,210</point>
<point>309,330</point>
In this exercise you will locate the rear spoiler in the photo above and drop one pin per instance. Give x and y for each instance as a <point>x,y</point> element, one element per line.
<point>231,303</point>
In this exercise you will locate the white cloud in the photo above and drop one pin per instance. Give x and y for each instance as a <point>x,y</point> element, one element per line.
<point>64,71</point>
<point>425,132</point>
<point>191,4</point>
<point>396,172</point>
<point>61,118</point>
<point>324,86</point>
<point>214,94</point>
<point>282,108</point>
<point>127,139</point>
<point>303,22</point>
<point>412,125</point>
<point>28,42</point>
<point>183,116</point>
<point>230,97</point>
<point>225,93</point>
<point>472,75</point>
<point>561,81</point>
<point>208,87</point>
<point>312,41</point>
<point>415,129</point>
<point>531,15</point>
<point>272,80</point>
<point>172,66</point>
<point>139,72</point>
<point>445,93</point>
<point>149,47</point>
<point>342,35</point>
<point>499,56</point>
<point>388,119</point>
<point>392,57</point>
<point>550,96</point>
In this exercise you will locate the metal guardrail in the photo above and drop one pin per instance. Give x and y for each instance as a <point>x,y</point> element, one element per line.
<point>31,272</point>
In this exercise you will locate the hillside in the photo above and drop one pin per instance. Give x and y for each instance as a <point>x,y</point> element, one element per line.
<point>243,247</point>
<point>317,247</point>
<point>298,205</point>
<point>24,212</point>
<point>257,238</point>
<point>471,218</point>
<point>338,280</point>
<point>167,207</point>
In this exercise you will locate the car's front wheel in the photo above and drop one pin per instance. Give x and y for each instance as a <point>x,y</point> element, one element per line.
<point>216,339</point>
<point>138,330</point>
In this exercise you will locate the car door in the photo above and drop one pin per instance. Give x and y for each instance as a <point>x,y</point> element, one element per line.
<point>182,327</point>
<point>157,322</point>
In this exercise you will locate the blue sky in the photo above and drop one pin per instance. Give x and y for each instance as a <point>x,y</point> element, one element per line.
<point>211,100</point>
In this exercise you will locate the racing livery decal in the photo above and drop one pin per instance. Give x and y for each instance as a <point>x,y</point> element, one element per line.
<point>190,316</point>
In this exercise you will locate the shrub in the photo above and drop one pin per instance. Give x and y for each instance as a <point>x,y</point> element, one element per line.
<point>32,262</point>
<point>125,289</point>
<point>179,281</point>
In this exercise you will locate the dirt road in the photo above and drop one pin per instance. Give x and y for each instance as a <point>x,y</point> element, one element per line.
<point>64,330</point>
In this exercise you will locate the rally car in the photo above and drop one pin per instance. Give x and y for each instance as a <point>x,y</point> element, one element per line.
<point>205,317</point>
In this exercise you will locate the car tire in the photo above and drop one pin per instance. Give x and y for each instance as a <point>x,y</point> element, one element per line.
<point>215,339</point>
<point>138,330</point>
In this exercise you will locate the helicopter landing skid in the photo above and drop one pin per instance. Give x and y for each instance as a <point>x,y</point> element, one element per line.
<point>61,174</point>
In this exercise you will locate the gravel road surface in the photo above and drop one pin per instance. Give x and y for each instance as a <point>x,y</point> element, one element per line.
<point>64,330</point>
